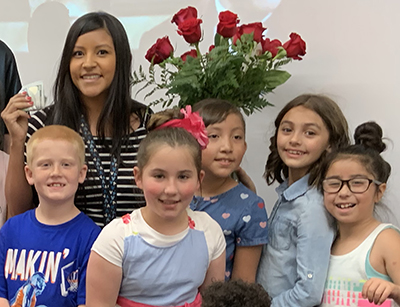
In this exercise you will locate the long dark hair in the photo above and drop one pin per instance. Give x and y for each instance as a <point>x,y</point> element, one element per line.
<point>118,106</point>
<point>334,121</point>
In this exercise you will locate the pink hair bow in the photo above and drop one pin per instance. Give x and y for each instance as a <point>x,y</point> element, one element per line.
<point>193,123</point>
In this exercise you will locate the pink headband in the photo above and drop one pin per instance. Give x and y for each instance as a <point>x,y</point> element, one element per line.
<point>193,123</point>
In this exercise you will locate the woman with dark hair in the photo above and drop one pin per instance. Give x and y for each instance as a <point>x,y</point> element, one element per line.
<point>91,96</point>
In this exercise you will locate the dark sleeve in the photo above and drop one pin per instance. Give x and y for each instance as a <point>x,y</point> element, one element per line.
<point>10,82</point>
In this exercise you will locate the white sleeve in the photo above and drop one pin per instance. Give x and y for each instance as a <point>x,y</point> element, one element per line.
<point>217,241</point>
<point>212,231</point>
<point>110,242</point>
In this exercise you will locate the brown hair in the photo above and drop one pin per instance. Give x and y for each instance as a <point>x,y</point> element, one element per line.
<point>334,121</point>
<point>215,111</point>
<point>56,133</point>
<point>367,148</point>
<point>171,136</point>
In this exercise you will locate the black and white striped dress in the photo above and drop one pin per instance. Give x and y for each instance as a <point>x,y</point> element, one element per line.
<point>89,197</point>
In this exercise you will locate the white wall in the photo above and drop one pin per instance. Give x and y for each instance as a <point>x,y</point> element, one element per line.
<point>351,56</point>
<point>352,48</point>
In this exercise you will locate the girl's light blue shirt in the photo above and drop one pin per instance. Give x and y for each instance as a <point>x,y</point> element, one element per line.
<point>295,262</point>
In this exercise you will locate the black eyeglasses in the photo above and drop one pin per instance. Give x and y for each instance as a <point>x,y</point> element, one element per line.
<point>355,185</point>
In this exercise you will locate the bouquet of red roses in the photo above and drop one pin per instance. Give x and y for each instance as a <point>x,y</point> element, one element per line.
<point>242,66</point>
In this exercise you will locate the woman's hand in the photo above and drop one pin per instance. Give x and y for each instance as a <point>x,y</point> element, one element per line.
<point>17,190</point>
<point>15,118</point>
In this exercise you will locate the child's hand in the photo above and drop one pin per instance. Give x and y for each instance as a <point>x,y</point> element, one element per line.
<point>377,290</point>
<point>15,118</point>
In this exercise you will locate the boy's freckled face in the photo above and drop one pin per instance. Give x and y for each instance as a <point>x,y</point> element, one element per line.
<point>55,170</point>
<point>226,147</point>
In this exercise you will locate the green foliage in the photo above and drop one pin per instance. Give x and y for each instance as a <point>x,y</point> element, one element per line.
<point>239,73</point>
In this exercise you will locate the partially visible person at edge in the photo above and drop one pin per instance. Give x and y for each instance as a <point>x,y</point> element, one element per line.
<point>235,293</point>
<point>10,84</point>
<point>240,212</point>
<point>294,263</point>
<point>91,96</point>
<point>3,173</point>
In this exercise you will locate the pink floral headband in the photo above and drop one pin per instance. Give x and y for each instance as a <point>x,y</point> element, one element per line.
<point>193,123</point>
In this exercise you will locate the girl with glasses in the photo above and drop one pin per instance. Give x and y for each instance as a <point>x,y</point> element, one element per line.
<point>365,256</point>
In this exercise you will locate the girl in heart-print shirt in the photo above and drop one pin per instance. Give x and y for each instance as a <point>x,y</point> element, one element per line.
<point>239,211</point>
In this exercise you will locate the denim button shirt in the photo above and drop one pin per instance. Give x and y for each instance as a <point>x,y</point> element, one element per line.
<point>294,264</point>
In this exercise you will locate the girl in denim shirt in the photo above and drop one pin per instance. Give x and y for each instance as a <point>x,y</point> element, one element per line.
<point>294,264</point>
<point>365,257</point>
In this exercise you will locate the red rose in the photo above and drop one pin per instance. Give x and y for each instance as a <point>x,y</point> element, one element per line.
<point>160,51</point>
<point>192,53</point>
<point>295,47</point>
<point>211,48</point>
<point>227,24</point>
<point>256,28</point>
<point>271,46</point>
<point>183,14</point>
<point>190,30</point>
